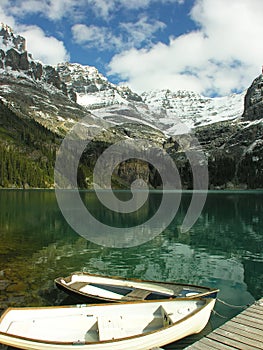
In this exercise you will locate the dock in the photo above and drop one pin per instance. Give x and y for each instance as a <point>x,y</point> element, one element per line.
<point>243,332</point>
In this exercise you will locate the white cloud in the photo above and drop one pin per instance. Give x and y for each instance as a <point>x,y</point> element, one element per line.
<point>49,50</point>
<point>141,31</point>
<point>102,8</point>
<point>52,9</point>
<point>107,8</point>
<point>20,7</point>
<point>92,36</point>
<point>138,4</point>
<point>57,9</point>
<point>4,17</point>
<point>222,56</point>
<point>131,34</point>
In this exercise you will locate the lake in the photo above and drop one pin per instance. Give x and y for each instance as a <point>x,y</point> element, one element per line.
<point>223,249</point>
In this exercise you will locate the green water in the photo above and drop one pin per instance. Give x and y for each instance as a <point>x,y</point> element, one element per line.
<point>224,249</point>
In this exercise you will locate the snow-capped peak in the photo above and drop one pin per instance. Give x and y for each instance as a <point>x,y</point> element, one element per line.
<point>194,109</point>
<point>92,88</point>
<point>11,40</point>
<point>72,72</point>
<point>163,109</point>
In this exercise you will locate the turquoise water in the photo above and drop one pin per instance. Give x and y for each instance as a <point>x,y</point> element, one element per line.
<point>224,249</point>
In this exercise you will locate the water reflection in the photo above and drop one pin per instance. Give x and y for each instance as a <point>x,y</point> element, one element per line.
<point>223,249</point>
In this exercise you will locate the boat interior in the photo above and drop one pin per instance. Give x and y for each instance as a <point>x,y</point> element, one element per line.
<point>94,323</point>
<point>125,290</point>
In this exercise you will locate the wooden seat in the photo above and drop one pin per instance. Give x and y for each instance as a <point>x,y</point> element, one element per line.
<point>111,327</point>
<point>137,293</point>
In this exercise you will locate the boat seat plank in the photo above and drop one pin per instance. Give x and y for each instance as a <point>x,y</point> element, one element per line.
<point>137,294</point>
<point>172,317</point>
<point>111,327</point>
<point>78,285</point>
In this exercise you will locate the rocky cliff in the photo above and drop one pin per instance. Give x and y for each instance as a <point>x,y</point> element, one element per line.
<point>235,149</point>
<point>14,57</point>
<point>254,101</point>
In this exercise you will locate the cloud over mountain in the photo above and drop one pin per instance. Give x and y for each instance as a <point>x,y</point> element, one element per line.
<point>211,47</point>
<point>211,59</point>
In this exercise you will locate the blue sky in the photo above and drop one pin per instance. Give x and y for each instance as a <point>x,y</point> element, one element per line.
<point>213,47</point>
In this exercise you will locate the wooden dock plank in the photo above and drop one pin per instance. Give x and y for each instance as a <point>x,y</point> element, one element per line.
<point>258,305</point>
<point>256,322</point>
<point>221,338</point>
<point>255,310</point>
<point>252,313</point>
<point>247,329</point>
<point>208,344</point>
<point>243,332</point>
<point>232,329</point>
<point>255,344</point>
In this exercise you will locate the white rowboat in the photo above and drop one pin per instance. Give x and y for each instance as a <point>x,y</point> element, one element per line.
<point>132,325</point>
<point>97,287</point>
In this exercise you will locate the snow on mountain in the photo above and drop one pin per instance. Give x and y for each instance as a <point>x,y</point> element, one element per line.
<point>10,40</point>
<point>162,109</point>
<point>171,112</point>
<point>92,88</point>
<point>193,109</point>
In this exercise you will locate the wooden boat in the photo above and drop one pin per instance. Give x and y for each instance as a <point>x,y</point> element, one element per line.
<point>131,325</point>
<point>118,289</point>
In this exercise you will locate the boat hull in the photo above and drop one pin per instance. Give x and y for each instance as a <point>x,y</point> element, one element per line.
<point>193,322</point>
<point>86,287</point>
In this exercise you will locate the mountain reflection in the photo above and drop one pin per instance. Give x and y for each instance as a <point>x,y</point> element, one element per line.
<point>223,249</point>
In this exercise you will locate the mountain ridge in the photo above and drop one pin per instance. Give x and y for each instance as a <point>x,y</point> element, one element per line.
<point>52,99</point>
<point>90,89</point>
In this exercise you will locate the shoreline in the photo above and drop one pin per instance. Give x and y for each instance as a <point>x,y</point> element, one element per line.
<point>235,190</point>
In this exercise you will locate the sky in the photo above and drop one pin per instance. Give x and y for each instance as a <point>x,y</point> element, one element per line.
<point>212,47</point>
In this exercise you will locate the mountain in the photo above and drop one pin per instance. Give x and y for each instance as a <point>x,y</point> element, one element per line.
<point>92,89</point>
<point>159,108</point>
<point>37,109</point>
<point>40,103</point>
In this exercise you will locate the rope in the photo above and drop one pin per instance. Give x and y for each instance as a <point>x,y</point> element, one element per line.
<point>230,305</point>
<point>217,314</point>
